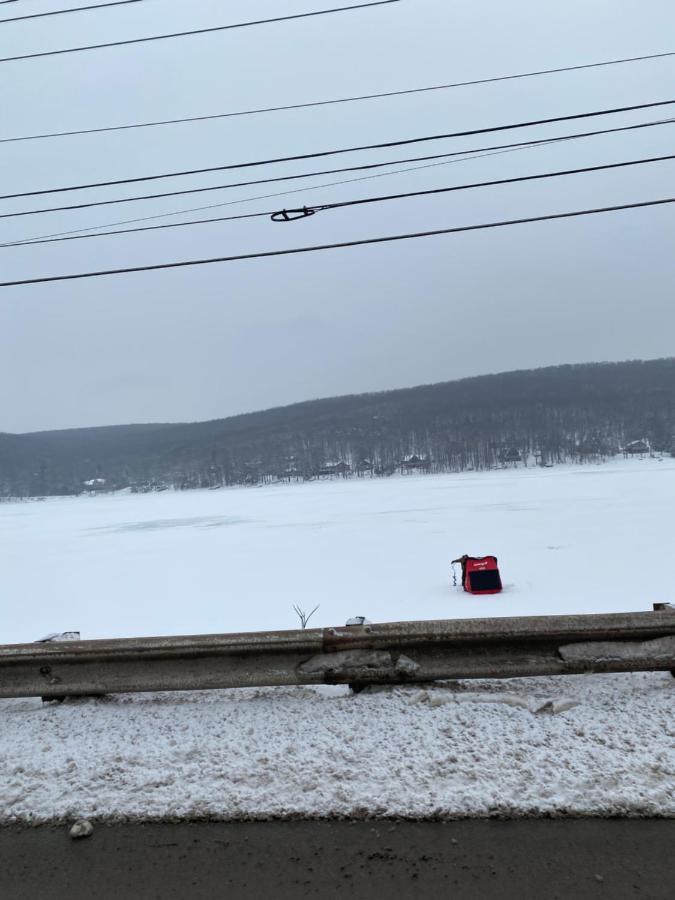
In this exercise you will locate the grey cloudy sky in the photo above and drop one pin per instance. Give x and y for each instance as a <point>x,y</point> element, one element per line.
<point>208,342</point>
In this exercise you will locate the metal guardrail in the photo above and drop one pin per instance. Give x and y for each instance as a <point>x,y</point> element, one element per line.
<point>358,655</point>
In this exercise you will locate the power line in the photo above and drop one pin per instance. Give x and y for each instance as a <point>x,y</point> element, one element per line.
<point>79,237</point>
<point>76,9</point>
<point>81,231</point>
<point>325,153</point>
<point>340,204</point>
<point>474,153</point>
<point>337,246</point>
<point>314,208</point>
<point>238,184</point>
<point>177,34</point>
<point>362,97</point>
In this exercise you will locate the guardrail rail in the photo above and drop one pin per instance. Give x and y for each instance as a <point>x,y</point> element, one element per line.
<point>387,653</point>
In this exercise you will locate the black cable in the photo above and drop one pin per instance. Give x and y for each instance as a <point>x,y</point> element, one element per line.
<point>324,153</point>
<point>180,212</point>
<point>163,37</point>
<point>314,208</point>
<point>363,167</point>
<point>291,106</point>
<point>80,237</point>
<point>76,9</point>
<point>338,246</point>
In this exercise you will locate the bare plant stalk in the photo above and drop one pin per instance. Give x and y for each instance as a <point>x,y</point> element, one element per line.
<point>303,616</point>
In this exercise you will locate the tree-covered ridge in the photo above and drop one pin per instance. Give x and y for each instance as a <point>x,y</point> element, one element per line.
<point>544,416</point>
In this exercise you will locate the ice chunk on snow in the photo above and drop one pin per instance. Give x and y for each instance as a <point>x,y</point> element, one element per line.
<point>82,829</point>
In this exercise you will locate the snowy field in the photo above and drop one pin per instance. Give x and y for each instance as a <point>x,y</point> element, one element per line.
<point>594,538</point>
<point>570,539</point>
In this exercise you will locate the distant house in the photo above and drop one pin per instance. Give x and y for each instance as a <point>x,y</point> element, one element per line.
<point>334,468</point>
<point>413,463</point>
<point>510,455</point>
<point>634,448</point>
<point>94,484</point>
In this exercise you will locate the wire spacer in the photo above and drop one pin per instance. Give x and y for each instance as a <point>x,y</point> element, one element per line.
<point>291,215</point>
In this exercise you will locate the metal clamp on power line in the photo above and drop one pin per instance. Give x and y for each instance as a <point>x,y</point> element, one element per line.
<point>291,215</point>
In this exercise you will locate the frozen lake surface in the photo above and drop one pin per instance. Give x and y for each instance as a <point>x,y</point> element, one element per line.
<point>593,538</point>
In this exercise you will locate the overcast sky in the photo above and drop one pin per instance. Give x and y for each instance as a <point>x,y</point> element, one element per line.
<point>207,342</point>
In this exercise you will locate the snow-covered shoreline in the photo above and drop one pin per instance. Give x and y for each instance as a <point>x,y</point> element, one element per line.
<point>456,750</point>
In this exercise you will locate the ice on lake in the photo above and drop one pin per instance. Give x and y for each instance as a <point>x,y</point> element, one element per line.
<point>593,538</point>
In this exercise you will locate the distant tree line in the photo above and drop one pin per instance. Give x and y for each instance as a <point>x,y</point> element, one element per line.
<point>542,417</point>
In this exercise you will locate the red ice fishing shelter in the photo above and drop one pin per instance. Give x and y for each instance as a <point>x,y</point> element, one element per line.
<point>480,574</point>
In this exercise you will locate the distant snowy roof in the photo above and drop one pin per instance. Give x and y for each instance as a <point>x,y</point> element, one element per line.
<point>637,447</point>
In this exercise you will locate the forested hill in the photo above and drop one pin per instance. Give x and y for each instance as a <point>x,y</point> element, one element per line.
<point>542,416</point>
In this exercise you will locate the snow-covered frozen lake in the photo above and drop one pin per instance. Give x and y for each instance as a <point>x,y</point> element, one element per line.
<point>592,538</point>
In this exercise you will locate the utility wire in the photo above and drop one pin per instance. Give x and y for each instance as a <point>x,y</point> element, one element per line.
<point>459,156</point>
<point>362,97</point>
<point>179,212</point>
<point>338,246</point>
<point>314,208</point>
<point>340,204</point>
<point>76,9</point>
<point>177,34</point>
<point>325,153</point>
<point>80,237</point>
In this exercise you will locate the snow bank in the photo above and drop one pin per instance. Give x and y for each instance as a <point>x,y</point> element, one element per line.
<point>583,745</point>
